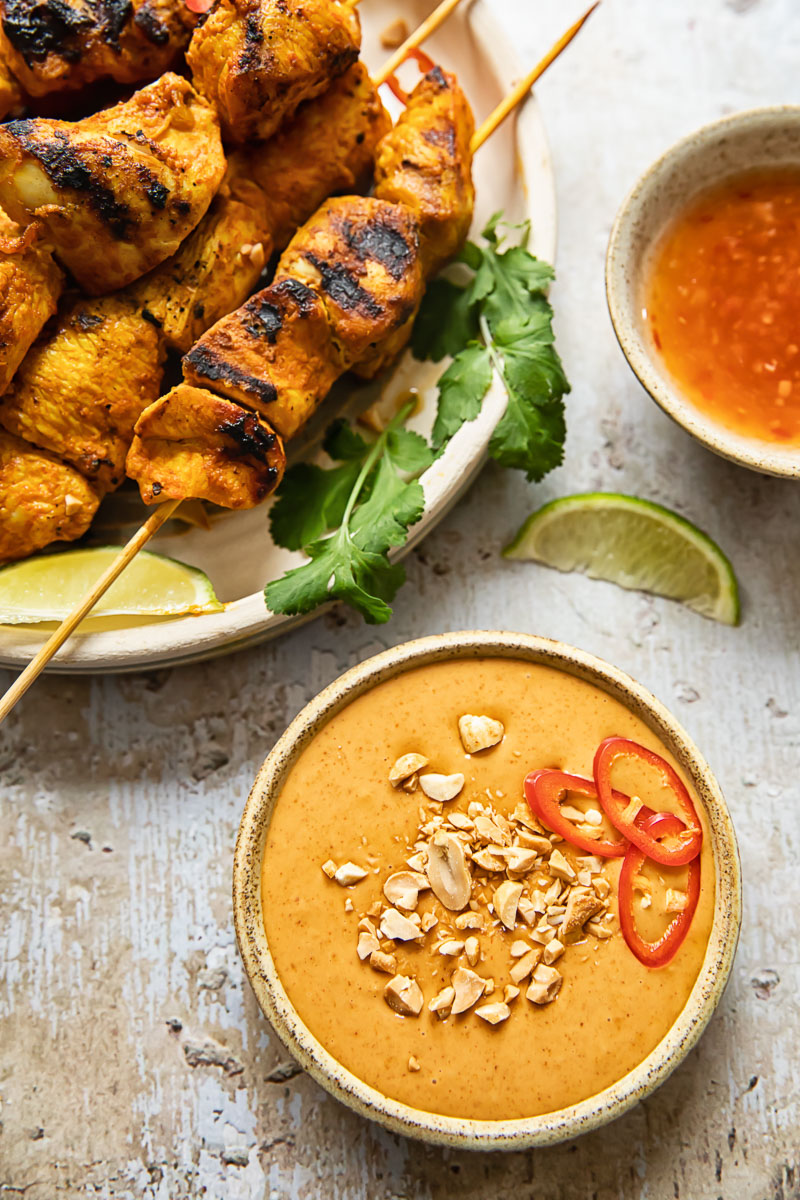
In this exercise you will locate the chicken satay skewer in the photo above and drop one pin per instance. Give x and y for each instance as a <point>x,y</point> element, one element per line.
<point>153,523</point>
<point>267,194</point>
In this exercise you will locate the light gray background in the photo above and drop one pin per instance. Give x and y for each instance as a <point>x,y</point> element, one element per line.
<point>121,797</point>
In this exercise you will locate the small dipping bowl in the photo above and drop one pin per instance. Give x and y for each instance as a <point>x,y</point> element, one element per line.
<point>319,1063</point>
<point>756,138</point>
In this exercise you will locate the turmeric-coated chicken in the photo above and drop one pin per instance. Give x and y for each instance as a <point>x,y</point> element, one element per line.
<point>11,99</point>
<point>327,147</point>
<point>213,271</point>
<point>346,288</point>
<point>58,45</point>
<point>348,279</point>
<point>256,60</point>
<point>361,256</point>
<point>30,285</point>
<point>269,190</point>
<point>118,191</point>
<point>425,163</point>
<point>42,500</point>
<point>192,443</point>
<point>275,354</point>
<point>84,383</point>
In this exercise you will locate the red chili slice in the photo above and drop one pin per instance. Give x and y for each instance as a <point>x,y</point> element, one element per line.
<point>655,954</point>
<point>543,790</point>
<point>690,834</point>
<point>199,6</point>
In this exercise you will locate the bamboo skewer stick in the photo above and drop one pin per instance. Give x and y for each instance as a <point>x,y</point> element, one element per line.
<point>518,93</point>
<point>166,509</point>
<point>69,624</point>
<point>423,31</point>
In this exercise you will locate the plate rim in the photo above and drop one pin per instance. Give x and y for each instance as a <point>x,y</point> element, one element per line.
<point>246,622</point>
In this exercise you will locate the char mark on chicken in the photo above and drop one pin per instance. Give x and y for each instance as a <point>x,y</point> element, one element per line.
<point>274,354</point>
<point>257,60</point>
<point>64,45</point>
<point>117,192</point>
<point>192,439</point>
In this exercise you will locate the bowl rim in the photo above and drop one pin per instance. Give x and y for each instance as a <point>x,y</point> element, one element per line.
<point>518,1133</point>
<point>746,451</point>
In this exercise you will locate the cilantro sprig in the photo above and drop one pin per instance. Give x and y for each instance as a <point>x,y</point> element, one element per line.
<point>500,321</point>
<point>370,500</point>
<point>349,517</point>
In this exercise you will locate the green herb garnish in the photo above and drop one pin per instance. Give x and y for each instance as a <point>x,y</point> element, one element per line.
<point>499,321</point>
<point>371,499</point>
<point>347,518</point>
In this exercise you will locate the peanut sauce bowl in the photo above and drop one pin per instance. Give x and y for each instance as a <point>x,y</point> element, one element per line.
<point>723,906</point>
<point>750,140</point>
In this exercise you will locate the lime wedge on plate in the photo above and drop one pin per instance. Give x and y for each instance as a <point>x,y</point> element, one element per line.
<point>633,543</point>
<point>49,587</point>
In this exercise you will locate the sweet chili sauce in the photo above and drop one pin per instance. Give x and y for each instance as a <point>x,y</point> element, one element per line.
<point>723,303</point>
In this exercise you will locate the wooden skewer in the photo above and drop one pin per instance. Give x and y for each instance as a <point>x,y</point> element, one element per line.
<point>507,106</point>
<point>165,510</point>
<point>56,640</point>
<point>423,31</point>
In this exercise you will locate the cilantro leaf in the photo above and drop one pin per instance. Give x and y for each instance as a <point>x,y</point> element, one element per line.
<point>531,365</point>
<point>339,570</point>
<point>461,391</point>
<point>446,321</point>
<point>499,322</point>
<point>373,515</point>
<point>408,451</point>
<point>343,443</point>
<point>311,501</point>
<point>381,522</point>
<point>529,437</point>
<point>507,301</point>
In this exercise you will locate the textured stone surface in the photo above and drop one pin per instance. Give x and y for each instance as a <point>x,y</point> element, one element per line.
<point>134,1061</point>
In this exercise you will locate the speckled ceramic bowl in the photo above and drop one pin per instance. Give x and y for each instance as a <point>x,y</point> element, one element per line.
<point>511,1134</point>
<point>760,137</point>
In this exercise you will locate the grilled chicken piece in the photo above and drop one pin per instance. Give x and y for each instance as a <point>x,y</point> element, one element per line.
<point>327,147</point>
<point>30,284</point>
<point>11,98</point>
<point>191,443</point>
<point>118,191</point>
<point>42,500</point>
<point>256,60</point>
<point>361,256</point>
<point>425,163</point>
<point>58,45</point>
<point>268,190</point>
<point>274,354</point>
<point>83,385</point>
<point>214,270</point>
<point>349,279</point>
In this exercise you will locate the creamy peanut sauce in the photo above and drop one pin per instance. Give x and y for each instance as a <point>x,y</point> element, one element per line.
<point>337,804</point>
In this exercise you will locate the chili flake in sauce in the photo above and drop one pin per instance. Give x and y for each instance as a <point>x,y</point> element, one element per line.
<point>723,303</point>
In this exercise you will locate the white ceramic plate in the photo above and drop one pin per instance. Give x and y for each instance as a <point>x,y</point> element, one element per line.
<point>512,173</point>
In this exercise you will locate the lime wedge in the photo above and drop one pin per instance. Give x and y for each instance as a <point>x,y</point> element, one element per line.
<point>48,588</point>
<point>635,544</point>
